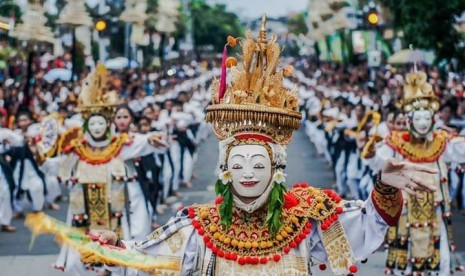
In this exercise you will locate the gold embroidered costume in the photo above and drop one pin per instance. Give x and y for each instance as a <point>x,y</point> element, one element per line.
<point>248,240</point>
<point>95,203</point>
<point>282,232</point>
<point>93,168</point>
<point>414,243</point>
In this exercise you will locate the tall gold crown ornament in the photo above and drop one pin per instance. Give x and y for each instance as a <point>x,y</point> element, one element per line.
<point>255,102</point>
<point>418,93</point>
<point>95,97</point>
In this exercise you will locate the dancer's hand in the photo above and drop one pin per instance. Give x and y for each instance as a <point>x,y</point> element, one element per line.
<point>158,141</point>
<point>361,140</point>
<point>404,176</point>
<point>104,236</point>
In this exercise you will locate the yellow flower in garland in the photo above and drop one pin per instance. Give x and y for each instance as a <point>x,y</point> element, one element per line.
<point>279,177</point>
<point>225,177</point>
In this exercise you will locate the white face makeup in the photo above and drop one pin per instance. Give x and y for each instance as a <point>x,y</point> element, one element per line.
<point>422,121</point>
<point>250,167</point>
<point>97,126</point>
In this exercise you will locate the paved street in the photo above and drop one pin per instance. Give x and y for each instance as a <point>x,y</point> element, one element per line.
<point>303,165</point>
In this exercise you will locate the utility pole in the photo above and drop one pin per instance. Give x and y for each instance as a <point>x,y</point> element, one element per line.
<point>74,15</point>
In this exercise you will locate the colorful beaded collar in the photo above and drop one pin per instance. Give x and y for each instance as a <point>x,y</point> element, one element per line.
<point>415,152</point>
<point>97,156</point>
<point>248,241</point>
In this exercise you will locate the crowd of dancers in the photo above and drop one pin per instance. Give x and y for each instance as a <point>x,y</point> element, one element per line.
<point>156,135</point>
<point>339,104</point>
<point>176,111</point>
<point>357,124</point>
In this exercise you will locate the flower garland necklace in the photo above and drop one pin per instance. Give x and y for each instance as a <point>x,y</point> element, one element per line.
<point>403,143</point>
<point>248,240</point>
<point>98,156</point>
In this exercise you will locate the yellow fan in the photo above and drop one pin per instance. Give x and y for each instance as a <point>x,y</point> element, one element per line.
<point>93,252</point>
<point>49,132</point>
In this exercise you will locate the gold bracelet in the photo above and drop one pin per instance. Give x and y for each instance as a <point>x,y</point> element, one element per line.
<point>382,188</point>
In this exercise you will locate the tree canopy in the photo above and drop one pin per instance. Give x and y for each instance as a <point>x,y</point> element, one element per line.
<point>213,23</point>
<point>428,24</point>
<point>8,8</point>
<point>297,24</point>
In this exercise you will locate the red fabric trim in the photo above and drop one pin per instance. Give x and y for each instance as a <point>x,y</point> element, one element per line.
<point>254,136</point>
<point>390,220</point>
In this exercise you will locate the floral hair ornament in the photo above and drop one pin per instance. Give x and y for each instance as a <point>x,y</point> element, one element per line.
<point>225,177</point>
<point>223,189</point>
<point>279,177</point>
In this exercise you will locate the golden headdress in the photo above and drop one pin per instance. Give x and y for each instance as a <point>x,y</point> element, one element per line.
<point>418,93</point>
<point>256,102</point>
<point>95,97</point>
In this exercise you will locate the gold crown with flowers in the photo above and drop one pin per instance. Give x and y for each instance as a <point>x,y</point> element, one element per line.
<point>418,93</point>
<point>255,102</point>
<point>95,97</point>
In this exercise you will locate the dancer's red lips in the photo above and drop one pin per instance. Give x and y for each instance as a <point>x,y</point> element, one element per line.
<point>248,183</point>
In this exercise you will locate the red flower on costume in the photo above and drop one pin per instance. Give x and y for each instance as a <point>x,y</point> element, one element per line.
<point>290,201</point>
<point>406,137</point>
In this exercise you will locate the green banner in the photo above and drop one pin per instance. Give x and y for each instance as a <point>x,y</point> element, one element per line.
<point>323,48</point>
<point>361,41</point>
<point>335,43</point>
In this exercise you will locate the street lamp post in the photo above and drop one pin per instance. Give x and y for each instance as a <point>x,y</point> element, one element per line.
<point>134,14</point>
<point>371,15</point>
<point>314,24</point>
<point>167,16</point>
<point>189,37</point>
<point>74,15</point>
<point>101,26</point>
<point>32,30</point>
<point>327,17</point>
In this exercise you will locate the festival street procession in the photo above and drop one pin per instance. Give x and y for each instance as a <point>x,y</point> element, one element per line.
<point>214,137</point>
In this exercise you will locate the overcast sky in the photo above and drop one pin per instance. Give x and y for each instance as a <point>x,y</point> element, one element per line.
<point>255,8</point>
<point>246,9</point>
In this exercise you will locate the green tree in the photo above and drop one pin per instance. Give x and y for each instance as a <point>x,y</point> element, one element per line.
<point>213,23</point>
<point>428,24</point>
<point>80,58</point>
<point>296,24</point>
<point>152,6</point>
<point>9,8</point>
<point>52,18</point>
